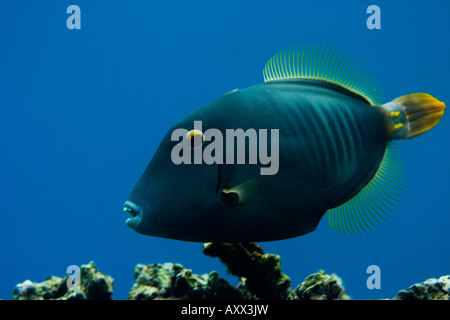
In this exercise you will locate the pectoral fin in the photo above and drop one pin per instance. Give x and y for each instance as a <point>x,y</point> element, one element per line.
<point>240,194</point>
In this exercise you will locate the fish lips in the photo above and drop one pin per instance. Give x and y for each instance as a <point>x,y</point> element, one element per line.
<point>136,213</point>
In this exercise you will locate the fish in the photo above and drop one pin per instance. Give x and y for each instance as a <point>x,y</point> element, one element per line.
<point>334,154</point>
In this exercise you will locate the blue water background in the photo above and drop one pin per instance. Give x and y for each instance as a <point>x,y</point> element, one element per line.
<point>82,112</point>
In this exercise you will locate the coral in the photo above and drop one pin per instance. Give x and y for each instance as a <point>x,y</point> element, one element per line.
<point>321,286</point>
<point>172,281</point>
<point>431,289</point>
<point>260,273</point>
<point>94,285</point>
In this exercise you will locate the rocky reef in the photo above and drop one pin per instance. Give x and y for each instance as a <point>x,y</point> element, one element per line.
<point>259,273</point>
<point>431,289</point>
<point>93,285</point>
<point>173,281</point>
<point>321,286</point>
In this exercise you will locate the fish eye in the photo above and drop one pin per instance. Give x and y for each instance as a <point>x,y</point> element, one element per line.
<point>195,138</point>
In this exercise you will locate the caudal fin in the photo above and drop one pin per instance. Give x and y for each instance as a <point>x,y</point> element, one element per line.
<point>412,115</point>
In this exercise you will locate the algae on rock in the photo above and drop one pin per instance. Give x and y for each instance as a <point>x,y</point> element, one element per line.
<point>172,281</point>
<point>321,286</point>
<point>260,273</point>
<point>431,289</point>
<point>94,285</point>
<point>260,278</point>
<point>52,288</point>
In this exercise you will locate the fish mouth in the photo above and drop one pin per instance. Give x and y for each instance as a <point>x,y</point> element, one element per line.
<point>136,214</point>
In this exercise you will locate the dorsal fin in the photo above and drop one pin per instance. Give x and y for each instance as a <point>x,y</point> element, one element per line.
<point>321,62</point>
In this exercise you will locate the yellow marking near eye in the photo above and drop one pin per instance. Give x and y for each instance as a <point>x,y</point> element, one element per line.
<point>395,113</point>
<point>192,133</point>
<point>398,126</point>
<point>193,138</point>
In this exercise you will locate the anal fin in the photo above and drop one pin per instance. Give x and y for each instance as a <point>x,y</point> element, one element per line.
<point>376,201</point>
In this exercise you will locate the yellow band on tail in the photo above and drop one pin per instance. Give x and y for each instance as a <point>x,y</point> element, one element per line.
<point>413,114</point>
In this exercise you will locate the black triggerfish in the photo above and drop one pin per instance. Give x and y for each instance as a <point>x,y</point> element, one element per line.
<point>268,161</point>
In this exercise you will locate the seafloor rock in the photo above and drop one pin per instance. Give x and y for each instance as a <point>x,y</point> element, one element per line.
<point>260,278</point>
<point>52,288</point>
<point>321,286</point>
<point>94,285</point>
<point>172,281</point>
<point>431,289</point>
<point>260,273</point>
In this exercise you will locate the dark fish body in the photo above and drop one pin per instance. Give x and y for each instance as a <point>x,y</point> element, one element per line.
<point>332,143</point>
